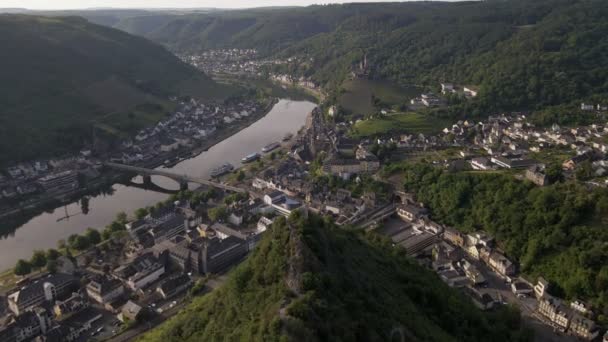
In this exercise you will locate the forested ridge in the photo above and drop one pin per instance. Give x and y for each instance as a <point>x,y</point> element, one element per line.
<point>309,280</point>
<point>558,232</point>
<point>521,55</point>
<point>60,76</point>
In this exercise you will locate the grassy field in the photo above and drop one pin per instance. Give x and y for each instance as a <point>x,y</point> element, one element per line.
<point>553,155</point>
<point>398,123</point>
<point>356,95</point>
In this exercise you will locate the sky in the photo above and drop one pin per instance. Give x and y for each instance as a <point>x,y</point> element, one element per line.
<point>80,4</point>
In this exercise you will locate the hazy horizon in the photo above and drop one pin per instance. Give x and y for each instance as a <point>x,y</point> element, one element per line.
<point>168,4</point>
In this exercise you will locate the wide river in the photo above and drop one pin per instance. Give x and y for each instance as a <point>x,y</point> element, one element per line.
<point>44,230</point>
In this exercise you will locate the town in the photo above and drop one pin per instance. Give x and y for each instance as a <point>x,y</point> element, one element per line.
<point>189,130</point>
<point>146,268</point>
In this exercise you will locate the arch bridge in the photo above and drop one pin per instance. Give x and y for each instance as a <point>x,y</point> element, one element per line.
<point>183,180</point>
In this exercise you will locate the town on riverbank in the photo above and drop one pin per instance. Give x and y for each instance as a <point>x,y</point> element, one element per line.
<point>142,268</point>
<point>27,188</point>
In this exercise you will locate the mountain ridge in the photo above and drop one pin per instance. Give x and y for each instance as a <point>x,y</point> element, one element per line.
<point>60,75</point>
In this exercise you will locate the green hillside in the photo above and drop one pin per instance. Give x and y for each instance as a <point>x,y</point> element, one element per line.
<point>311,281</point>
<point>61,75</point>
<point>522,55</point>
<point>558,232</point>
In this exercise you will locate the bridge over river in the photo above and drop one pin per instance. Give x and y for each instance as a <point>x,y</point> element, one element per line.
<point>183,180</point>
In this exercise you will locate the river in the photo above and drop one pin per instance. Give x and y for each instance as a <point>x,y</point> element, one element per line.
<point>44,230</point>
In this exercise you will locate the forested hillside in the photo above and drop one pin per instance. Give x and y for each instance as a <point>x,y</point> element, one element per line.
<point>311,281</point>
<point>520,54</point>
<point>59,76</point>
<point>558,232</point>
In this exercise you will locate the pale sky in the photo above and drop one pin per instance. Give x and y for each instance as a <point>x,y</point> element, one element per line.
<point>80,4</point>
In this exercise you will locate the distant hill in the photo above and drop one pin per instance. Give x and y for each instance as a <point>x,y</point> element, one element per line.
<point>60,76</point>
<point>520,54</point>
<point>311,281</point>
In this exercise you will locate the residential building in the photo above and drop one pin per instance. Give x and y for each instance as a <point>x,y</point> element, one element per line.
<point>520,287</point>
<point>483,301</point>
<point>583,328</point>
<point>46,289</point>
<point>580,306</point>
<point>173,286</point>
<point>66,180</point>
<point>470,91</point>
<point>219,254</point>
<point>77,302</point>
<point>536,175</point>
<point>472,272</point>
<point>131,311</point>
<point>104,289</point>
<point>513,163</point>
<point>447,88</point>
<point>264,223</point>
<point>541,287</point>
<point>140,272</point>
<point>410,212</point>
<point>481,163</point>
<point>553,309</point>
<point>75,326</point>
<point>501,264</point>
<point>24,327</point>
<point>454,236</point>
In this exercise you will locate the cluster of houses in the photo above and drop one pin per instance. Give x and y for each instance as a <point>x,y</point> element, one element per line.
<point>187,127</point>
<point>450,88</point>
<point>48,178</point>
<point>575,318</point>
<point>428,100</point>
<point>226,61</point>
<point>289,80</point>
<point>241,62</point>
<point>155,262</point>
<point>507,141</point>
<point>184,129</point>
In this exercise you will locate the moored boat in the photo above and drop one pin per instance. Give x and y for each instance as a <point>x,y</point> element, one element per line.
<point>270,147</point>
<point>251,157</point>
<point>222,170</point>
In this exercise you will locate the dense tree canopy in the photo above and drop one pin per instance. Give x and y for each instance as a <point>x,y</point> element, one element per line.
<point>559,231</point>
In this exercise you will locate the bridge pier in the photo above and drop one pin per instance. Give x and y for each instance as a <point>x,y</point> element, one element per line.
<point>183,185</point>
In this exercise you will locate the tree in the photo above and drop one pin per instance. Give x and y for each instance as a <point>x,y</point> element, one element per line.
<point>141,213</point>
<point>554,173</point>
<point>61,244</point>
<point>217,213</point>
<point>584,171</point>
<point>93,236</point>
<point>52,254</point>
<point>240,176</point>
<point>38,259</point>
<point>22,267</point>
<point>121,217</point>
<point>80,243</point>
<point>71,239</point>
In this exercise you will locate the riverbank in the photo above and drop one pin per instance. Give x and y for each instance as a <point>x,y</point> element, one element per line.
<point>22,213</point>
<point>99,208</point>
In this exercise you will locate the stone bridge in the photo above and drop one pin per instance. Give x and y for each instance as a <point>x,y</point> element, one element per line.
<point>183,180</point>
